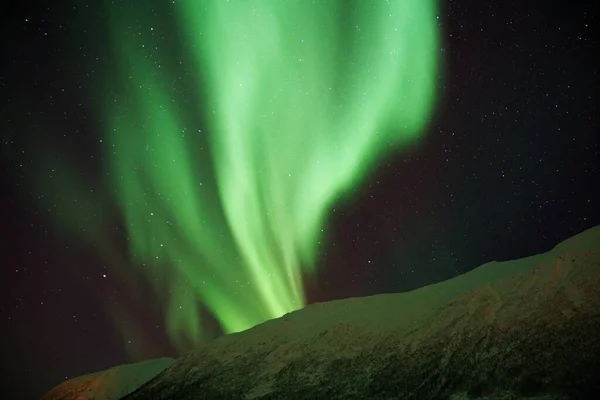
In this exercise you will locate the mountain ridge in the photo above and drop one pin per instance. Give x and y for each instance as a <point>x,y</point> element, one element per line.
<point>504,330</point>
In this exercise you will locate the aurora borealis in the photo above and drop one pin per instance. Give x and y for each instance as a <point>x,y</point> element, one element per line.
<point>296,111</point>
<point>173,171</point>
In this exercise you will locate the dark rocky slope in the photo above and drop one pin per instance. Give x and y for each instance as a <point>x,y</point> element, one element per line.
<point>522,329</point>
<point>527,328</point>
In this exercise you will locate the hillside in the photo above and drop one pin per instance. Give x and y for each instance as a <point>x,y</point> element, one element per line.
<point>110,384</point>
<point>526,328</point>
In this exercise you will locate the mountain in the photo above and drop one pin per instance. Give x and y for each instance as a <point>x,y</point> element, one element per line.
<point>520,329</point>
<point>527,328</point>
<point>112,383</point>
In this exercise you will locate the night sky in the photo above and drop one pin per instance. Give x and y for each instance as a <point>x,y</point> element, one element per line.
<point>506,167</point>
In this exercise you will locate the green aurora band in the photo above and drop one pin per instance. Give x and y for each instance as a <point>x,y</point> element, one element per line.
<point>225,176</point>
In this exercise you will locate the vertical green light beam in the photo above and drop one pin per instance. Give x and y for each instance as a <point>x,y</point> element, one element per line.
<point>299,99</point>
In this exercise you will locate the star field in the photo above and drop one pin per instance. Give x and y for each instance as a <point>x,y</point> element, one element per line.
<point>507,167</point>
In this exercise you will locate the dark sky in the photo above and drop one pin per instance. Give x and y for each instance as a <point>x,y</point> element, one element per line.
<point>509,168</point>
